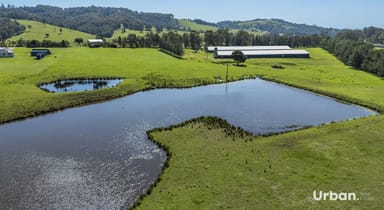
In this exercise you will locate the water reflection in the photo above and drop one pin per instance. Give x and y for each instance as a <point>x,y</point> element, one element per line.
<point>78,85</point>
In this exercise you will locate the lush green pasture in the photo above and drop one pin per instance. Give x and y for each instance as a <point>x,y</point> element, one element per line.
<point>118,33</point>
<point>207,168</point>
<point>143,68</point>
<point>210,169</point>
<point>149,68</point>
<point>187,24</point>
<point>38,31</point>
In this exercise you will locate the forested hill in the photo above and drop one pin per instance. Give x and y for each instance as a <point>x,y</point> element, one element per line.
<point>277,26</point>
<point>9,28</point>
<point>104,21</point>
<point>95,20</point>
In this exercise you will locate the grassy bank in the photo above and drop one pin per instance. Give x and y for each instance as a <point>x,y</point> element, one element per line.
<point>149,68</point>
<point>212,168</point>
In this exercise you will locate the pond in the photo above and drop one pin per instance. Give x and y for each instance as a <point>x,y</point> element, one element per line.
<point>99,157</point>
<point>78,85</point>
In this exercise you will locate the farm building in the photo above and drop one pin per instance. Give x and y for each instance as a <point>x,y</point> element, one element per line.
<point>40,53</point>
<point>44,52</point>
<point>93,43</point>
<point>378,45</point>
<point>6,52</point>
<point>266,54</point>
<point>246,48</point>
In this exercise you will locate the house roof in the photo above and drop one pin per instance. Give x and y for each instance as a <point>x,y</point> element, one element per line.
<point>6,50</point>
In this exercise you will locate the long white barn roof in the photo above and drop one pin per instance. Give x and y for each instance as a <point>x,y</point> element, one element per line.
<point>264,52</point>
<point>247,48</point>
<point>95,40</point>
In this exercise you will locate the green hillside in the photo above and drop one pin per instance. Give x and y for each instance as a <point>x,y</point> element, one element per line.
<point>277,26</point>
<point>37,31</point>
<point>118,33</point>
<point>193,26</point>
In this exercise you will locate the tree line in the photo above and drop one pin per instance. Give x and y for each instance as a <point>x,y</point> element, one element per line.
<point>356,53</point>
<point>224,37</point>
<point>171,41</point>
<point>354,48</point>
<point>37,43</point>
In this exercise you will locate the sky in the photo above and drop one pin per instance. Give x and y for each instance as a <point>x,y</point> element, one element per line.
<point>327,13</point>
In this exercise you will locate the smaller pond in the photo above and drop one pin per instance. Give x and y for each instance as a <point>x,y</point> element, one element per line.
<point>79,85</point>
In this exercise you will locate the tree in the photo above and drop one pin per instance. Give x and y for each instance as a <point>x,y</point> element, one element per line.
<point>64,43</point>
<point>186,40</point>
<point>243,38</point>
<point>195,40</point>
<point>119,41</point>
<point>209,38</point>
<point>238,57</point>
<point>132,41</point>
<point>79,40</point>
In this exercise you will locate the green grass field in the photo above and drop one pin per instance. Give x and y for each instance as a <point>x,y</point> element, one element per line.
<point>38,31</point>
<point>187,24</point>
<point>118,33</point>
<point>209,169</point>
<point>149,68</point>
<point>217,172</point>
<point>184,24</point>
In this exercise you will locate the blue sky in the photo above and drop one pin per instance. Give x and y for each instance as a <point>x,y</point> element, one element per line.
<point>328,13</point>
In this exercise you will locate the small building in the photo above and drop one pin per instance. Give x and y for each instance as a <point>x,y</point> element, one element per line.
<point>40,53</point>
<point>378,45</point>
<point>6,52</point>
<point>94,43</point>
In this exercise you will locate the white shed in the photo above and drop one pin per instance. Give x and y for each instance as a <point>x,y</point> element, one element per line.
<point>95,43</point>
<point>6,52</point>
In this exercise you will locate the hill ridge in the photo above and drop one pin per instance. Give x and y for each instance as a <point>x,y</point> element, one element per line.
<point>104,21</point>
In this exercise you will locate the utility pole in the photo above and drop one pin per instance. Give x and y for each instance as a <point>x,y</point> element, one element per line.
<point>226,77</point>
